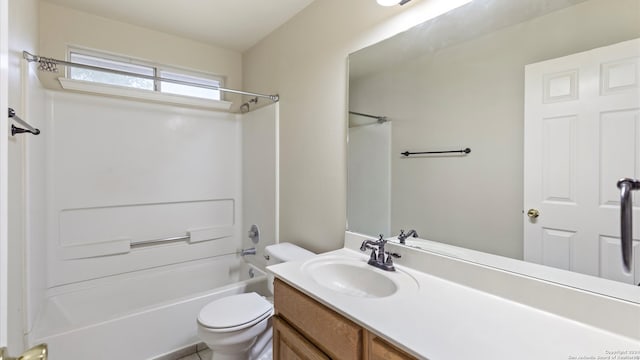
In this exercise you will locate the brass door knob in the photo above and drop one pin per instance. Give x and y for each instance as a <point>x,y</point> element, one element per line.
<point>533,213</point>
<point>38,352</point>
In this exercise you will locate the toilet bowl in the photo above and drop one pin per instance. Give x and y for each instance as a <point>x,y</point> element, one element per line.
<point>238,327</point>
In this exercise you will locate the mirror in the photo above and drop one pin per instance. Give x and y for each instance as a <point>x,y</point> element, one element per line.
<point>512,81</point>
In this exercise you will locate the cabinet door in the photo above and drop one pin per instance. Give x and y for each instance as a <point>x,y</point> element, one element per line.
<point>382,350</point>
<point>337,336</point>
<point>288,344</point>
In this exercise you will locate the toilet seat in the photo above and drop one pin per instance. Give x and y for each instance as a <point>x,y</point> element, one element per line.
<point>234,312</point>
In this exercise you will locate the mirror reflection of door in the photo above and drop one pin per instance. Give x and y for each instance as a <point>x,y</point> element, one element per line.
<point>582,134</point>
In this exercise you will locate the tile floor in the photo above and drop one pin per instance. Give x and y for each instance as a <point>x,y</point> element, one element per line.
<point>200,355</point>
<point>203,353</point>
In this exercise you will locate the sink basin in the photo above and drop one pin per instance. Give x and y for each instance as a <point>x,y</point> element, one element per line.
<point>356,278</point>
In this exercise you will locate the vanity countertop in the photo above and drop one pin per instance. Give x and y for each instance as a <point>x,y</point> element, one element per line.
<point>441,319</point>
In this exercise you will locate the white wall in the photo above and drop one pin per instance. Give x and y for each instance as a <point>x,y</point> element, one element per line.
<point>61,27</point>
<point>305,61</point>
<point>444,100</point>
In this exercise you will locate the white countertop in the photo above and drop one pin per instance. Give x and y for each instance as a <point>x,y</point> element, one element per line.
<point>441,320</point>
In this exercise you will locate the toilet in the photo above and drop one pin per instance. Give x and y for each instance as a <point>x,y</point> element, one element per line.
<point>238,327</point>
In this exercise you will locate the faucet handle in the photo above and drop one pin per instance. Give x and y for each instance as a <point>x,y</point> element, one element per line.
<point>392,254</point>
<point>389,262</point>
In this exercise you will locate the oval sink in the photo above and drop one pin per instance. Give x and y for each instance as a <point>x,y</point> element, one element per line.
<point>354,278</point>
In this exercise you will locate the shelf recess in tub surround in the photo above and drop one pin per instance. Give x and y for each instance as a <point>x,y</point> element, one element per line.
<point>425,320</point>
<point>140,94</point>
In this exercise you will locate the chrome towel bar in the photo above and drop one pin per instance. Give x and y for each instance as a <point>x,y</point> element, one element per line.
<point>16,130</point>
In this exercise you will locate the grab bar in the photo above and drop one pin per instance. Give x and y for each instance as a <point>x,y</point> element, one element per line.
<point>627,185</point>
<point>192,236</point>
<point>157,241</point>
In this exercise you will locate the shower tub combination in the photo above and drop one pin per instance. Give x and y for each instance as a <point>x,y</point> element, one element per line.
<point>142,315</point>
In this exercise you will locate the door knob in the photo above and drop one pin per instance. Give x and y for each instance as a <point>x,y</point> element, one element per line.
<point>38,352</point>
<point>533,213</point>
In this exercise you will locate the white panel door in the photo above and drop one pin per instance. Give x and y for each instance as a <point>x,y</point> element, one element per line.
<point>582,134</point>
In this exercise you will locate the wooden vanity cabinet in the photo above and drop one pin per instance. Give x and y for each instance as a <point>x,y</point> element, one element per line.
<point>288,344</point>
<point>379,349</point>
<point>305,329</point>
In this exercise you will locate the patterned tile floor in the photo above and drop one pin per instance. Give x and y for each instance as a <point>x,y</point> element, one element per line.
<point>206,354</point>
<point>200,355</point>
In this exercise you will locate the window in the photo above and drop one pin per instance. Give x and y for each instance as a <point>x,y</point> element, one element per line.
<point>107,77</point>
<point>136,67</point>
<point>187,90</point>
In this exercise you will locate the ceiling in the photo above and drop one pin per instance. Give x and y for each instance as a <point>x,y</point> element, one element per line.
<point>470,21</point>
<point>231,24</point>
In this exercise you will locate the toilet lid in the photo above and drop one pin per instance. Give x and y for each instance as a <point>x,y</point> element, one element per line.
<point>234,311</point>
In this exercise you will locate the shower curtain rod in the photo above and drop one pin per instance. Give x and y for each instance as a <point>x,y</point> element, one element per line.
<point>49,64</point>
<point>381,119</point>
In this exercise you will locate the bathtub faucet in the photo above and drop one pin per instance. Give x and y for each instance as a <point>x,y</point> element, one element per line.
<point>402,237</point>
<point>250,251</point>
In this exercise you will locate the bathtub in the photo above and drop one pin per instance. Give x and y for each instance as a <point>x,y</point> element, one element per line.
<point>142,315</point>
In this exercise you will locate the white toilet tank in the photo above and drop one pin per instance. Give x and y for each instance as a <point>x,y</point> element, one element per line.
<point>283,252</point>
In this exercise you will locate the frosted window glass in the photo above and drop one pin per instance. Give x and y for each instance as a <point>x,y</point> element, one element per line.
<point>110,78</point>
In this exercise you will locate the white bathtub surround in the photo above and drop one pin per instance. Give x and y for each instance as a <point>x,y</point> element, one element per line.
<point>433,319</point>
<point>121,173</point>
<point>139,316</point>
<point>139,218</point>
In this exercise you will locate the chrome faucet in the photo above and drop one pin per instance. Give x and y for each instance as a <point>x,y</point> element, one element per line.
<point>377,257</point>
<point>250,251</point>
<point>402,237</point>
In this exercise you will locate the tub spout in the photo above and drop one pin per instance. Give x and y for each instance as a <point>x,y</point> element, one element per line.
<point>250,251</point>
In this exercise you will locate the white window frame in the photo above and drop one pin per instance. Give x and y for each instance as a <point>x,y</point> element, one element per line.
<point>143,94</point>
